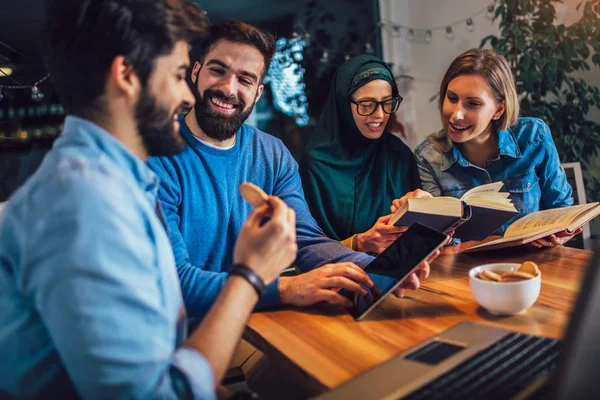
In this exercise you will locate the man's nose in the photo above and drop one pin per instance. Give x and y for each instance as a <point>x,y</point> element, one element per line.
<point>228,85</point>
<point>188,97</point>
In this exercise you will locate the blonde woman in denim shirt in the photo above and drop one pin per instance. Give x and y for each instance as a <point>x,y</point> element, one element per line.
<point>484,141</point>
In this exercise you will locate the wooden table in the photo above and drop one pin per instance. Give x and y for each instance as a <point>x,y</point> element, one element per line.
<point>324,347</point>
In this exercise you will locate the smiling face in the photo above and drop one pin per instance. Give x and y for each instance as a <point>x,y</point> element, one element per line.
<point>372,126</point>
<point>162,101</point>
<point>469,108</point>
<point>227,88</point>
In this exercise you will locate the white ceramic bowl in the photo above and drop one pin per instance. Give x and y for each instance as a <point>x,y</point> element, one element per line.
<point>504,298</point>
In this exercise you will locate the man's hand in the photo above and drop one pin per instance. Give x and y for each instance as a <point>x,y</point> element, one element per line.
<point>553,240</point>
<point>380,236</point>
<point>271,247</point>
<point>396,204</point>
<point>322,285</point>
<point>415,279</point>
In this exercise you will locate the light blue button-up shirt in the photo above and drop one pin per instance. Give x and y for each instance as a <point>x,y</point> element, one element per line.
<point>89,295</point>
<point>527,163</point>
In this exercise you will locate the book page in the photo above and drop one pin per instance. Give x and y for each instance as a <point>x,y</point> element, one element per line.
<point>547,220</point>
<point>498,201</point>
<point>436,205</point>
<point>513,241</point>
<point>490,187</point>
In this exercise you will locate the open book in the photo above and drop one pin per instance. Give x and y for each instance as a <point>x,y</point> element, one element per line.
<point>537,225</point>
<point>475,216</point>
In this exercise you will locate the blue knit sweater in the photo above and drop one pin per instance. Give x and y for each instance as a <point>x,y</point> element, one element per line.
<point>204,211</point>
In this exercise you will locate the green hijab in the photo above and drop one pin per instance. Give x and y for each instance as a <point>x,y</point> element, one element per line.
<point>349,181</point>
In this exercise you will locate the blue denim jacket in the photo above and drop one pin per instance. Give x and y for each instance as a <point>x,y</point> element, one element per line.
<point>527,163</point>
<point>89,295</point>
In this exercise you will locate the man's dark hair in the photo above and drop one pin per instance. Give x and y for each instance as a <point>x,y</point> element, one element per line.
<point>236,32</point>
<point>82,38</point>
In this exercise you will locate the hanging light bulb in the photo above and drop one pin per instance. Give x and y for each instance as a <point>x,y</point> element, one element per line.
<point>36,94</point>
<point>410,35</point>
<point>470,24</point>
<point>307,37</point>
<point>396,28</point>
<point>428,36</point>
<point>294,34</point>
<point>347,57</point>
<point>368,48</point>
<point>325,57</point>
<point>489,14</point>
<point>449,33</point>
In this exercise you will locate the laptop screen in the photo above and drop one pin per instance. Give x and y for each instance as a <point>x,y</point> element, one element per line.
<point>579,361</point>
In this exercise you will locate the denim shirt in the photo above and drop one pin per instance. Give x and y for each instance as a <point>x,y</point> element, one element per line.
<point>89,295</point>
<point>527,163</point>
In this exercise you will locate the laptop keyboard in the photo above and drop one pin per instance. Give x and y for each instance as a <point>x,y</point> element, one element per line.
<point>501,371</point>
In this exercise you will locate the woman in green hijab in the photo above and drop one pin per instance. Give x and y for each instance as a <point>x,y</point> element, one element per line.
<point>352,168</point>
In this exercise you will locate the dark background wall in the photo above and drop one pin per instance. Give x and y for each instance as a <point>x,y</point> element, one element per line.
<point>28,127</point>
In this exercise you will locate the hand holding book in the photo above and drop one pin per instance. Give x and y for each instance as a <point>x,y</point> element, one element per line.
<point>556,239</point>
<point>416,194</point>
<point>477,214</point>
<point>540,226</point>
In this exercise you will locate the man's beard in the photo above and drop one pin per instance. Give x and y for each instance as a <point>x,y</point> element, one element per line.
<point>214,124</point>
<point>155,126</point>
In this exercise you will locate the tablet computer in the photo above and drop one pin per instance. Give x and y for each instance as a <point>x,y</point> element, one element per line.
<point>391,267</point>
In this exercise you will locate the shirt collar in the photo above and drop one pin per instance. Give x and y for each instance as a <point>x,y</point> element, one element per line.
<point>82,132</point>
<point>507,146</point>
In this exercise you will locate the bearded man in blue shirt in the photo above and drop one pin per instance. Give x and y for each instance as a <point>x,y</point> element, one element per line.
<point>222,151</point>
<point>90,303</point>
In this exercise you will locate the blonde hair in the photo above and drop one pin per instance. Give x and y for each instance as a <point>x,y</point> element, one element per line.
<point>496,71</point>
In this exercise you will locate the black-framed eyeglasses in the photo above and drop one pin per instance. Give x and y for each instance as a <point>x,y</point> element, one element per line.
<point>368,107</point>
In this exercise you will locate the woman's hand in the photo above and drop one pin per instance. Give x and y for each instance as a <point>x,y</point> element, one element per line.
<point>415,279</point>
<point>421,194</point>
<point>380,236</point>
<point>553,240</point>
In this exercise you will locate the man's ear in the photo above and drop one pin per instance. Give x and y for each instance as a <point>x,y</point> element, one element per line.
<point>124,77</point>
<point>195,71</point>
<point>259,91</point>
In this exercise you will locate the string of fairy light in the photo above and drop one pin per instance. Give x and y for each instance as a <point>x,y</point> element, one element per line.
<point>36,93</point>
<point>409,33</point>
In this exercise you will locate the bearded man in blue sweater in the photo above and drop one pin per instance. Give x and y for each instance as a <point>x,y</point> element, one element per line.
<point>199,187</point>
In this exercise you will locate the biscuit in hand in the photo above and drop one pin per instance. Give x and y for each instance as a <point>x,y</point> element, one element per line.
<point>253,194</point>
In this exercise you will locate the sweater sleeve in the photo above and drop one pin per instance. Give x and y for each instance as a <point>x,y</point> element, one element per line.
<point>199,287</point>
<point>314,248</point>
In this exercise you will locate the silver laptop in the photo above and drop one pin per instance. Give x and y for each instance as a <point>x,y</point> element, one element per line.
<point>472,360</point>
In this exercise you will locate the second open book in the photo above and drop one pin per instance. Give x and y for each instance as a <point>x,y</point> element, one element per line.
<point>475,216</point>
<point>557,221</point>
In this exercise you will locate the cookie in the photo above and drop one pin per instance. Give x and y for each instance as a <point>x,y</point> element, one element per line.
<point>484,278</point>
<point>515,276</point>
<point>253,194</point>
<point>529,267</point>
<point>491,275</point>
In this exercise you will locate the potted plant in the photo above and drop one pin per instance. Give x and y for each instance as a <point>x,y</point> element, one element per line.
<point>545,58</point>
